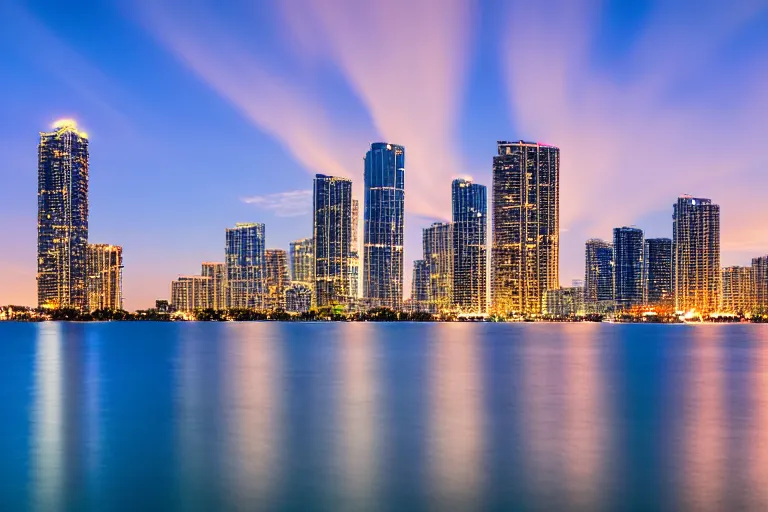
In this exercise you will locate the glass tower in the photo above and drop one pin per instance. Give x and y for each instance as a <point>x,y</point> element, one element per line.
<point>303,261</point>
<point>526,237</point>
<point>244,262</point>
<point>598,276</point>
<point>760,283</point>
<point>628,248</point>
<point>696,255</point>
<point>332,228</point>
<point>657,274</point>
<point>470,214</point>
<point>438,253</point>
<point>383,225</point>
<point>104,265</point>
<point>420,286</point>
<point>62,217</point>
<point>276,278</point>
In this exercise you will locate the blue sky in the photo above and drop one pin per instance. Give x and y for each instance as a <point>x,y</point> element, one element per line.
<point>201,115</point>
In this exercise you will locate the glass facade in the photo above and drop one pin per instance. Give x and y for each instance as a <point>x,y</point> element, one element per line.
<point>62,217</point>
<point>276,277</point>
<point>244,262</point>
<point>628,249</point>
<point>470,223</point>
<point>104,265</point>
<point>657,274</point>
<point>383,225</point>
<point>564,302</point>
<point>332,228</point>
<point>738,286</point>
<point>598,276</point>
<point>303,261</point>
<point>696,255</point>
<point>420,286</point>
<point>298,298</point>
<point>437,243</point>
<point>760,283</point>
<point>526,237</point>
<point>218,286</point>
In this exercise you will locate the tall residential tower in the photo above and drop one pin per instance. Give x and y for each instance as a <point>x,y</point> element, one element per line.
<point>244,262</point>
<point>628,251</point>
<point>470,223</point>
<point>332,233</point>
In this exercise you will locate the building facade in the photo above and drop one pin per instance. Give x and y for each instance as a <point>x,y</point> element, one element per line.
<point>564,302</point>
<point>760,284</point>
<point>62,217</point>
<point>598,276</point>
<point>738,289</point>
<point>104,284</point>
<point>628,251</point>
<point>470,224</point>
<point>383,225</point>
<point>696,255</point>
<point>276,278</point>
<point>526,226</point>
<point>298,298</point>
<point>332,233</point>
<point>303,262</point>
<point>437,241</point>
<point>354,252</point>
<point>244,263</point>
<point>420,286</point>
<point>190,293</point>
<point>657,273</point>
<point>218,286</point>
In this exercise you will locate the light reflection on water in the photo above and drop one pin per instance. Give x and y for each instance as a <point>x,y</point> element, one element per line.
<point>366,416</point>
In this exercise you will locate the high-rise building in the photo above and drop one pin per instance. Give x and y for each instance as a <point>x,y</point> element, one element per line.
<point>657,273</point>
<point>298,298</point>
<point>190,293</point>
<point>62,217</point>
<point>470,224</point>
<point>383,225</point>
<point>332,228</point>
<point>276,276</point>
<point>564,302</point>
<point>303,261</point>
<point>438,253</point>
<point>737,296</point>
<point>218,287</point>
<point>598,276</point>
<point>244,263</point>
<point>420,286</point>
<point>628,248</point>
<point>760,284</point>
<point>526,226</point>
<point>696,255</point>
<point>354,252</point>
<point>104,265</point>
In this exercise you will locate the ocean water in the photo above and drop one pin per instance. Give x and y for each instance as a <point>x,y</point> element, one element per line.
<point>401,416</point>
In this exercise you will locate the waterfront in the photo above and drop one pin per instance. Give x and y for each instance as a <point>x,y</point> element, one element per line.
<point>206,416</point>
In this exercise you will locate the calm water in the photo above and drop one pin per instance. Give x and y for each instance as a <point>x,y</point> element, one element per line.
<point>383,416</point>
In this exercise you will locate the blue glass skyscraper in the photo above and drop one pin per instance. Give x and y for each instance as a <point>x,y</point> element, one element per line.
<point>62,217</point>
<point>383,226</point>
<point>244,261</point>
<point>332,233</point>
<point>598,276</point>
<point>470,221</point>
<point>628,249</point>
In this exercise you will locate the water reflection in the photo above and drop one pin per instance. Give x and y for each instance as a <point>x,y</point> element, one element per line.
<point>757,437</point>
<point>456,434</point>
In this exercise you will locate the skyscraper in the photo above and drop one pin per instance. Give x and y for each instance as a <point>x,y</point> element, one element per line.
<point>332,229</point>
<point>354,252</point>
<point>657,273</point>
<point>62,217</point>
<point>438,253</point>
<point>190,293</point>
<point>738,289</point>
<point>420,286</point>
<point>696,254</point>
<point>598,276</point>
<point>244,262</point>
<point>760,283</point>
<point>303,261</point>
<point>218,285</point>
<point>526,236</point>
<point>104,284</point>
<point>628,248</point>
<point>298,298</point>
<point>383,225</point>
<point>470,223</point>
<point>276,278</point>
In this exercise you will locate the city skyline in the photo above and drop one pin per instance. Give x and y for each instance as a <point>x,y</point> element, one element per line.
<point>604,98</point>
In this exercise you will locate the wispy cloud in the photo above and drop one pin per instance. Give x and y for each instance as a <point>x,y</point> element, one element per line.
<point>632,145</point>
<point>284,204</point>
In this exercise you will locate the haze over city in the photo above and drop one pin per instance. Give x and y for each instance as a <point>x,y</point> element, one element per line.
<point>200,116</point>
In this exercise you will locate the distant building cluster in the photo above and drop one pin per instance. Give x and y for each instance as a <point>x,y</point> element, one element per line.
<point>459,272</point>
